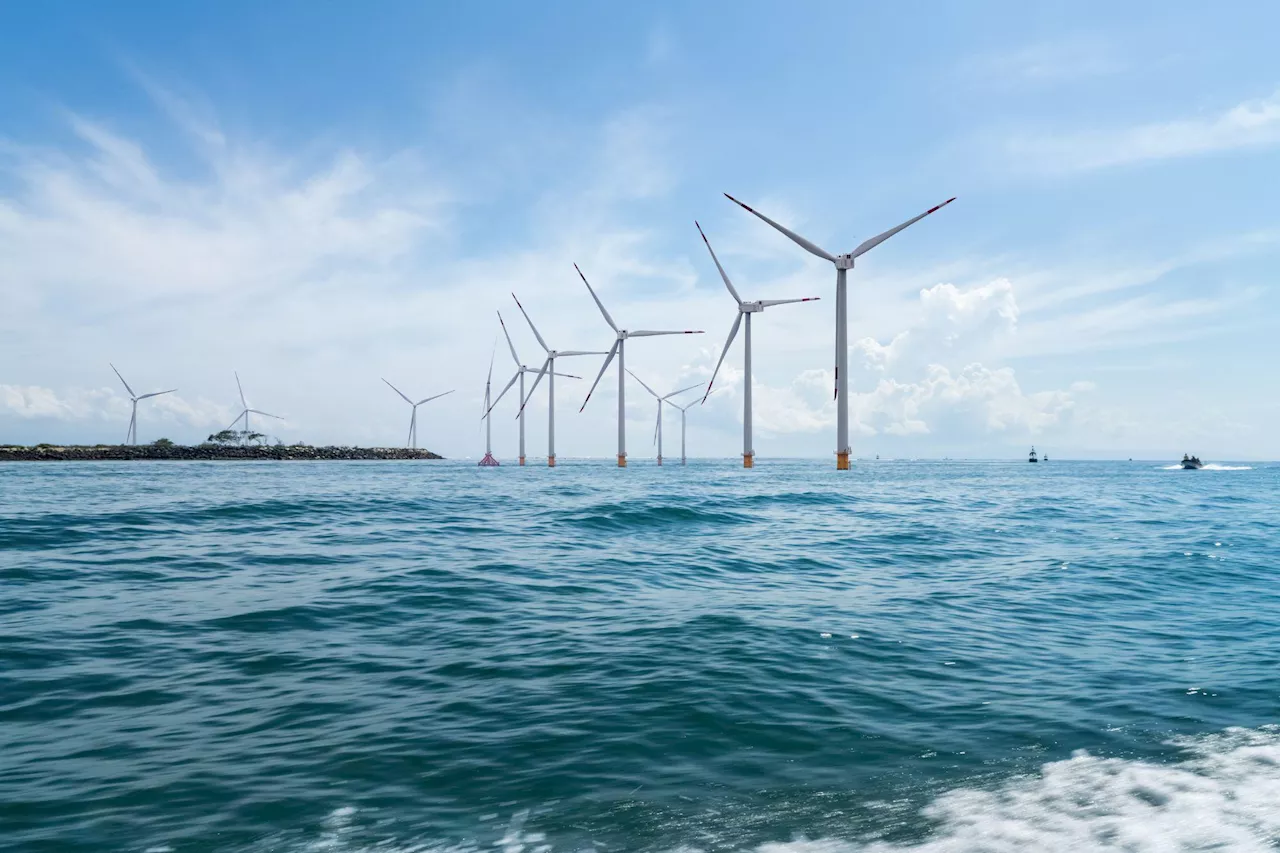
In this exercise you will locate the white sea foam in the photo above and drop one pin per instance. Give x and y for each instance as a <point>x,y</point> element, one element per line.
<point>1212,466</point>
<point>1224,797</point>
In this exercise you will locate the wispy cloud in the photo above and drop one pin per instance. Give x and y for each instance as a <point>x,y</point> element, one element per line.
<point>1045,63</point>
<point>1249,124</point>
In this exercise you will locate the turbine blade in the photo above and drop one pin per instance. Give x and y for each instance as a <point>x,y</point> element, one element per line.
<point>646,387</point>
<point>868,245</point>
<point>240,388</point>
<point>812,248</point>
<point>433,397</point>
<point>681,391</point>
<point>267,414</point>
<point>237,420</point>
<point>512,346</point>
<point>533,387</point>
<point>769,303</point>
<point>561,354</point>
<point>501,393</point>
<point>723,275</point>
<point>398,391</point>
<point>608,359</point>
<point>531,326</point>
<point>733,333</point>
<point>650,334</point>
<point>599,304</point>
<point>569,375</point>
<point>122,382</point>
<point>157,393</point>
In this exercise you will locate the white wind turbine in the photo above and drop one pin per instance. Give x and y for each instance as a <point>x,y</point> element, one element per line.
<point>548,369</point>
<point>843,264</point>
<point>412,441</point>
<point>131,437</point>
<point>745,310</point>
<point>619,349</point>
<point>244,434</point>
<point>683,409</point>
<point>663,398</point>
<point>488,461</point>
<point>521,370</point>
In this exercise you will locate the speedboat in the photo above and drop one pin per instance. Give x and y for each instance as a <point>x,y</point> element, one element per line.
<point>1191,463</point>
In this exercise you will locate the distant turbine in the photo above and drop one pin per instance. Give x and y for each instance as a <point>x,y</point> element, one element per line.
<point>521,370</point>
<point>619,349</point>
<point>244,434</point>
<point>413,418</point>
<point>548,368</point>
<point>683,409</point>
<point>131,437</point>
<point>745,309</point>
<point>843,264</point>
<point>488,461</point>
<point>657,432</point>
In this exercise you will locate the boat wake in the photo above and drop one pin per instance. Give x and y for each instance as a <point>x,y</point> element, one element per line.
<point>1223,796</point>
<point>1212,466</point>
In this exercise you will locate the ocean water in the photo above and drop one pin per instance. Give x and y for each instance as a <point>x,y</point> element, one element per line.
<point>932,656</point>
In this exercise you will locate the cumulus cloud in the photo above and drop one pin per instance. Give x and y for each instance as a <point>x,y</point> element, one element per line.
<point>80,404</point>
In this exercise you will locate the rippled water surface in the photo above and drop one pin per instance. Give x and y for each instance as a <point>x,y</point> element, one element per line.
<point>432,656</point>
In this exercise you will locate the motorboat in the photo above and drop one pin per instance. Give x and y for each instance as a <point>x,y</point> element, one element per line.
<point>1191,463</point>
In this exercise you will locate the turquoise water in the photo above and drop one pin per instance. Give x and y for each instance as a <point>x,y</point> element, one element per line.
<point>435,657</point>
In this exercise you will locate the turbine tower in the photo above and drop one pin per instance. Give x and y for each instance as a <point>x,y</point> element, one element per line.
<point>131,437</point>
<point>657,432</point>
<point>521,370</point>
<point>488,461</point>
<point>745,310</point>
<point>548,369</point>
<point>619,349</point>
<point>413,418</point>
<point>244,434</point>
<point>843,263</point>
<point>683,409</point>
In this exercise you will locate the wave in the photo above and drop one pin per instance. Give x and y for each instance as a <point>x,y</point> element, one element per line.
<point>1224,795</point>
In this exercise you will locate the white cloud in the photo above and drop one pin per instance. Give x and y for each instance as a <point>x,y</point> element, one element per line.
<point>1045,63</point>
<point>79,404</point>
<point>1249,124</point>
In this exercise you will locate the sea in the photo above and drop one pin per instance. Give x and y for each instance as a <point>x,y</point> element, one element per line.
<point>407,656</point>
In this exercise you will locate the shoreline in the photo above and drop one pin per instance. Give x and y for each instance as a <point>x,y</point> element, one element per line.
<point>203,452</point>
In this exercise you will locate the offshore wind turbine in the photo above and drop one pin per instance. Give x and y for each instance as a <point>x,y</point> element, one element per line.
<point>548,369</point>
<point>245,414</point>
<point>745,310</point>
<point>412,442</point>
<point>131,436</point>
<point>843,263</point>
<point>619,349</point>
<point>521,370</point>
<point>662,398</point>
<point>488,461</point>
<point>683,409</point>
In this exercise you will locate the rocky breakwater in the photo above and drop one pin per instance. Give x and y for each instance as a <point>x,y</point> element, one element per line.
<point>279,452</point>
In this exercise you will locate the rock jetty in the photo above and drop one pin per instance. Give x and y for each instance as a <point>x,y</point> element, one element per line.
<point>279,452</point>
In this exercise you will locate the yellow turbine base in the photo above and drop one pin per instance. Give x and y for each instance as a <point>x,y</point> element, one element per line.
<point>622,460</point>
<point>842,460</point>
<point>522,460</point>
<point>551,462</point>
<point>748,460</point>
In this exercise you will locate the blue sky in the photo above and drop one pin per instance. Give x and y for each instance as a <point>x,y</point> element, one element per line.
<point>320,195</point>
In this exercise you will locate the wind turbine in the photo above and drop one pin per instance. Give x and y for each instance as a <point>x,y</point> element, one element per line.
<point>657,432</point>
<point>682,409</point>
<point>488,461</point>
<point>619,349</point>
<point>245,414</point>
<point>131,437</point>
<point>413,419</point>
<point>521,370</point>
<point>843,264</point>
<point>745,310</point>
<point>548,368</point>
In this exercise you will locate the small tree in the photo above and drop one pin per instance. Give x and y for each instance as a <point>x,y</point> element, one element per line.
<point>254,437</point>
<point>162,443</point>
<point>225,437</point>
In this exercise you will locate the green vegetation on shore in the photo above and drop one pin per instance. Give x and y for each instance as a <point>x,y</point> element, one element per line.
<point>211,450</point>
